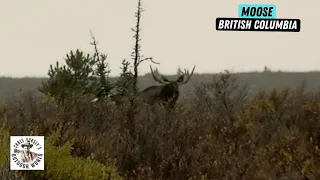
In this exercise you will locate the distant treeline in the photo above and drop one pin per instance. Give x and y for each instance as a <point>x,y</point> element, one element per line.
<point>254,80</point>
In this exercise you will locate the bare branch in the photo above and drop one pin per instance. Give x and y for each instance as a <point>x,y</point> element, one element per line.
<point>146,59</point>
<point>95,44</point>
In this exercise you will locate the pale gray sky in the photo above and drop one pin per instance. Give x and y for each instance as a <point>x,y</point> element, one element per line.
<point>37,33</point>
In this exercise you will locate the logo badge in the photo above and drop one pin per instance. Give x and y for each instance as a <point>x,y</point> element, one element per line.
<point>26,152</point>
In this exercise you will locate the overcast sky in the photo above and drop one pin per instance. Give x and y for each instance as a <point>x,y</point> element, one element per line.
<point>37,33</point>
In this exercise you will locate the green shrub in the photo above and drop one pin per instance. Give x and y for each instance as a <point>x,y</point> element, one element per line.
<point>4,155</point>
<point>59,164</point>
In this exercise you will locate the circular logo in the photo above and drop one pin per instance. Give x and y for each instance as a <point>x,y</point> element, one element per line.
<point>28,153</point>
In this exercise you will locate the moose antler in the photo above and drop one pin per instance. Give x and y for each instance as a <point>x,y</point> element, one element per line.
<point>186,73</point>
<point>163,80</point>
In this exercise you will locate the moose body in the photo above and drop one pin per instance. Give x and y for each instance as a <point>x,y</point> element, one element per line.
<point>160,94</point>
<point>117,99</point>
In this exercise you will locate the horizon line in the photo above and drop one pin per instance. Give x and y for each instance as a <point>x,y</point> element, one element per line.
<point>195,73</point>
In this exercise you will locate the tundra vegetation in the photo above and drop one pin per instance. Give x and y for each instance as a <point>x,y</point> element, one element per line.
<point>218,132</point>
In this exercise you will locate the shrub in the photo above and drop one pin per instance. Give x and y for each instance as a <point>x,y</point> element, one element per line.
<point>59,163</point>
<point>217,134</point>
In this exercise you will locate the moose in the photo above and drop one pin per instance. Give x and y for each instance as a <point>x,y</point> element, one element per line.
<point>168,92</point>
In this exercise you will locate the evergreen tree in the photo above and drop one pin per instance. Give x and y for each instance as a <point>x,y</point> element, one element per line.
<point>82,74</point>
<point>124,84</point>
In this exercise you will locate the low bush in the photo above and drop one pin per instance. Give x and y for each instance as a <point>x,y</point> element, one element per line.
<point>59,163</point>
<point>219,133</point>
